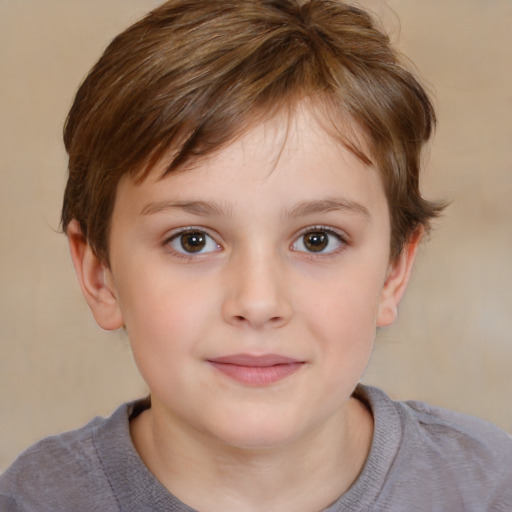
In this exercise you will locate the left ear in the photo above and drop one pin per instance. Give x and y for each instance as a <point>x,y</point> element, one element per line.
<point>397,279</point>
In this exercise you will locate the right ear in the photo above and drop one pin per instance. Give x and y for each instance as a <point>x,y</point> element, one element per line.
<point>95,280</point>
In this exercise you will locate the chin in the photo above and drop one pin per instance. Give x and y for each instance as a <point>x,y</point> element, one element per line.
<point>257,433</point>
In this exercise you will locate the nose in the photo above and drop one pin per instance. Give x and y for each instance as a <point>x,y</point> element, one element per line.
<point>257,292</point>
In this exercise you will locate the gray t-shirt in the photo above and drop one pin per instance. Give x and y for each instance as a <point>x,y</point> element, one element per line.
<point>422,458</point>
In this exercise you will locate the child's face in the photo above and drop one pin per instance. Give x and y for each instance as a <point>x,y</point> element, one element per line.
<point>251,285</point>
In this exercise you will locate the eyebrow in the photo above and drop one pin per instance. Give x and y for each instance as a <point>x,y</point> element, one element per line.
<point>200,208</point>
<point>302,209</point>
<point>305,208</point>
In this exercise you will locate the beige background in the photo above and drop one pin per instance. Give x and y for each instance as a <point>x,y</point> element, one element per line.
<point>452,345</point>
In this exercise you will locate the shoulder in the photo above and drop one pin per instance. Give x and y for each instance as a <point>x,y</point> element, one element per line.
<point>456,436</point>
<point>470,455</point>
<point>444,457</point>
<point>60,472</point>
<point>441,431</point>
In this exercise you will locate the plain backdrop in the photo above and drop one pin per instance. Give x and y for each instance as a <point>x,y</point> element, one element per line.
<point>452,344</point>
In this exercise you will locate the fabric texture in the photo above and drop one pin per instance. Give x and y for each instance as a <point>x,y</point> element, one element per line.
<point>422,458</point>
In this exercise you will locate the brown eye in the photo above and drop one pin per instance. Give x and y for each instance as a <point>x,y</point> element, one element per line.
<point>316,241</point>
<point>319,240</point>
<point>193,242</point>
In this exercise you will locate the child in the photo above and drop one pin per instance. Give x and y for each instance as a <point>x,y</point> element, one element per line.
<point>243,200</point>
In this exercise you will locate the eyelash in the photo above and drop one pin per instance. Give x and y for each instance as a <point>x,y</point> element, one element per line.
<point>330,232</point>
<point>183,231</point>
<point>340,237</point>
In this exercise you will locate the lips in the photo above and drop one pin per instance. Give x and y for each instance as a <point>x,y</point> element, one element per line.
<point>256,370</point>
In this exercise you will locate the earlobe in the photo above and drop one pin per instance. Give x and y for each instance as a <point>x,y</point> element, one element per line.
<point>95,280</point>
<point>396,282</point>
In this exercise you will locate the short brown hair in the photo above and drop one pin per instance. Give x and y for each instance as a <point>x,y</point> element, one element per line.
<point>192,74</point>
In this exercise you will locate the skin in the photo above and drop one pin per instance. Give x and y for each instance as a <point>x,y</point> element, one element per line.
<point>257,287</point>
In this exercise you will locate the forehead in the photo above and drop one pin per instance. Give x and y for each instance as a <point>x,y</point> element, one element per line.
<point>281,161</point>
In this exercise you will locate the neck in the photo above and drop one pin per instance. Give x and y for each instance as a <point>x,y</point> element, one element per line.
<point>303,475</point>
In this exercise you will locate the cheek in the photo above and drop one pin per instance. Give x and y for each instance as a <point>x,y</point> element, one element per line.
<point>346,304</point>
<point>343,323</point>
<point>165,330</point>
<point>165,312</point>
